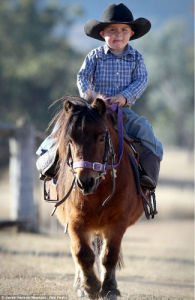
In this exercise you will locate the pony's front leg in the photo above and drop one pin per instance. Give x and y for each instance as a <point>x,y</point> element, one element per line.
<point>110,257</point>
<point>84,259</point>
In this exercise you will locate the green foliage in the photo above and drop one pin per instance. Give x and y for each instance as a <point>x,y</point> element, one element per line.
<point>37,65</point>
<point>168,101</point>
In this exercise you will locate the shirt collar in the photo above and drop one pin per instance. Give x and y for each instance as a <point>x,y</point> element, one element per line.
<point>129,50</point>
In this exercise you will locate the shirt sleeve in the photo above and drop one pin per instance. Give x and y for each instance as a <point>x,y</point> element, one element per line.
<point>85,76</point>
<point>138,84</point>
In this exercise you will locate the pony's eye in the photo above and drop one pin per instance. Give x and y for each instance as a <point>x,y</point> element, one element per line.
<point>102,138</point>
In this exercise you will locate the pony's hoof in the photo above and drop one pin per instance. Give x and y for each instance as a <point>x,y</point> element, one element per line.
<point>81,293</point>
<point>110,295</point>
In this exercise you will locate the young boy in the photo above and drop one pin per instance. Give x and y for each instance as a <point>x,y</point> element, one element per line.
<point>117,71</point>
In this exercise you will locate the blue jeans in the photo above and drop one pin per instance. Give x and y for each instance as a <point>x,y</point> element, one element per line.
<point>136,126</point>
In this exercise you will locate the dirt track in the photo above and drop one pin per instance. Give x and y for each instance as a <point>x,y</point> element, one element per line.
<point>158,258</point>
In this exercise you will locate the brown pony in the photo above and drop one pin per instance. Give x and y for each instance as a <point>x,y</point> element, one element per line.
<point>82,135</point>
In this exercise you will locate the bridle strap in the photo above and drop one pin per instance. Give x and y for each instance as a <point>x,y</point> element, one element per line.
<point>97,166</point>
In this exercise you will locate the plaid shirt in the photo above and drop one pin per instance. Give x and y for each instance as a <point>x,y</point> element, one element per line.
<point>110,74</point>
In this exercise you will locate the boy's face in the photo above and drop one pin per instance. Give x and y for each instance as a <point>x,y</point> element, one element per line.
<point>117,36</point>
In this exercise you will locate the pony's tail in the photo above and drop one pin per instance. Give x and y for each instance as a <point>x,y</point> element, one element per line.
<point>97,248</point>
<point>97,245</point>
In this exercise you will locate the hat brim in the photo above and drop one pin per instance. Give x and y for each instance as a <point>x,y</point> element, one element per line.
<point>140,27</point>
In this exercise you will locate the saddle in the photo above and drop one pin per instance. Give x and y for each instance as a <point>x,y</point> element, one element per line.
<point>47,164</point>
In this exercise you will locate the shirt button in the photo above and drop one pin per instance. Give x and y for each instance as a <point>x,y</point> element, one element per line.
<point>117,60</point>
<point>117,73</point>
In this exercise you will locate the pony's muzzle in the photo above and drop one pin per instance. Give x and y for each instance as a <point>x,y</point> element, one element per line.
<point>87,182</point>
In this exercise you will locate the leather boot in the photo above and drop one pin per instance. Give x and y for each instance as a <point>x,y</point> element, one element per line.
<point>47,164</point>
<point>150,167</point>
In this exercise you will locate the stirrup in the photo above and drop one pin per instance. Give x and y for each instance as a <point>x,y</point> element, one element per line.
<point>50,191</point>
<point>149,203</point>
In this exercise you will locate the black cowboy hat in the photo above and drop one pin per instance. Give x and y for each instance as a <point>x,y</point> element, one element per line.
<point>117,14</point>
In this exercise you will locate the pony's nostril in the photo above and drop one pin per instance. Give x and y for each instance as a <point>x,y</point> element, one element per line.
<point>86,184</point>
<point>91,182</point>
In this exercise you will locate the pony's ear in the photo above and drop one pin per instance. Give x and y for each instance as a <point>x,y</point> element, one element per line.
<point>68,106</point>
<point>100,106</point>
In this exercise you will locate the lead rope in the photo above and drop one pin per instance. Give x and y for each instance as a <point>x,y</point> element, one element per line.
<point>120,132</point>
<point>113,172</point>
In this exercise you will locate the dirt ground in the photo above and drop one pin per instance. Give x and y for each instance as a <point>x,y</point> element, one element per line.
<point>158,256</point>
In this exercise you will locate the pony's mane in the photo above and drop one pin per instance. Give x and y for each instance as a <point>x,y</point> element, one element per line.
<point>81,113</point>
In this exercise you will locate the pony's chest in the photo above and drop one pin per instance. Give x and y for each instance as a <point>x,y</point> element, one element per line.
<point>94,216</point>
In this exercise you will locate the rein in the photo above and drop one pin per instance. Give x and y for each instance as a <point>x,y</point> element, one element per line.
<point>148,204</point>
<point>57,202</point>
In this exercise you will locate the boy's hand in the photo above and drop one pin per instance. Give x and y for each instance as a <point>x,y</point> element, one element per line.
<point>119,99</point>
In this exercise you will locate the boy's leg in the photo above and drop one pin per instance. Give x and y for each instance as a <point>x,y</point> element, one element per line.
<point>47,151</point>
<point>150,164</point>
<point>150,150</point>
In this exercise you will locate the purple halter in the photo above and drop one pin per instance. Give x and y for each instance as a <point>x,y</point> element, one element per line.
<point>97,166</point>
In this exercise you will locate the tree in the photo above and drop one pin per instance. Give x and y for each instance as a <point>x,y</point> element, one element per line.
<point>168,101</point>
<point>36,63</point>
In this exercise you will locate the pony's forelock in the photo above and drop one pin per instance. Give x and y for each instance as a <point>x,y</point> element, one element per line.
<point>81,113</point>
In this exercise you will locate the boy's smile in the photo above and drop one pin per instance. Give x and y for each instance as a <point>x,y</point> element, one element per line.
<point>117,36</point>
